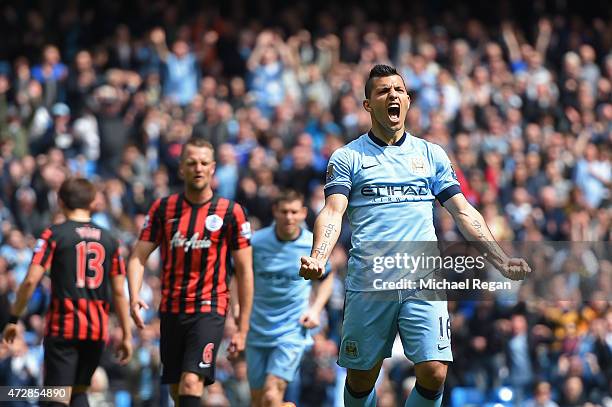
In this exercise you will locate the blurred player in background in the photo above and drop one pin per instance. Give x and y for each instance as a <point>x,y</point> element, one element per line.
<point>196,232</point>
<point>86,272</point>
<point>283,312</point>
<point>389,180</point>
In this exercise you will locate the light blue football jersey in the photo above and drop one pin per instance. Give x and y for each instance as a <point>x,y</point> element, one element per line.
<point>281,296</point>
<point>391,191</point>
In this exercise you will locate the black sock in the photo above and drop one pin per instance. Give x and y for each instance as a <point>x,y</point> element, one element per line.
<point>79,400</point>
<point>429,394</point>
<point>189,401</point>
<point>356,394</point>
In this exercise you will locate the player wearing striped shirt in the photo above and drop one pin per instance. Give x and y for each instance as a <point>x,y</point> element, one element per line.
<point>86,272</point>
<point>196,232</point>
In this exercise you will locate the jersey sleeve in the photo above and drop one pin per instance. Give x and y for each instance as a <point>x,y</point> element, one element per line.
<point>118,264</point>
<point>338,178</point>
<point>152,227</point>
<point>44,249</point>
<point>445,183</point>
<point>240,235</point>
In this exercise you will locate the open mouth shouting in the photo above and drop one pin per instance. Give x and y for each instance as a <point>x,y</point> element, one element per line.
<point>393,110</point>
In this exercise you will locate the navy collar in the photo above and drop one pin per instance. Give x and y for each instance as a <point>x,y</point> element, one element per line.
<point>381,143</point>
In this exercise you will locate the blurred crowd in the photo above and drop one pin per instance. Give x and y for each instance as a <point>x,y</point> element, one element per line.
<point>110,91</point>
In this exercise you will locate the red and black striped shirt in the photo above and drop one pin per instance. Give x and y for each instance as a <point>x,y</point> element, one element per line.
<point>81,258</point>
<point>195,241</point>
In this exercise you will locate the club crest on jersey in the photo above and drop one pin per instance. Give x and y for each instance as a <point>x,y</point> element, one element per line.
<point>329,176</point>
<point>214,222</point>
<point>146,222</point>
<point>40,243</point>
<point>453,173</point>
<point>245,230</point>
<point>350,349</point>
<point>418,165</point>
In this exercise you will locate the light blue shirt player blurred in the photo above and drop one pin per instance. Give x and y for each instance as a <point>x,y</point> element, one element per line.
<point>387,182</point>
<point>282,313</point>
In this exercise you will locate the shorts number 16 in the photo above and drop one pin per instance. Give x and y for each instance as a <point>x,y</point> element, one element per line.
<point>448,327</point>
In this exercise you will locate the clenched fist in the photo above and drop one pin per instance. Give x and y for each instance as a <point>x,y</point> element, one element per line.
<point>311,268</point>
<point>515,269</point>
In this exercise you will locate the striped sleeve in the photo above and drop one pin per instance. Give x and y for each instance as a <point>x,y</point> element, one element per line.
<point>240,236</point>
<point>44,250</point>
<point>118,266</point>
<point>151,229</point>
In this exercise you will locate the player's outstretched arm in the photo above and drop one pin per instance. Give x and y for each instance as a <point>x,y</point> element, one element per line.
<point>243,261</point>
<point>27,287</point>
<point>135,273</point>
<point>326,231</point>
<point>124,351</point>
<point>473,227</point>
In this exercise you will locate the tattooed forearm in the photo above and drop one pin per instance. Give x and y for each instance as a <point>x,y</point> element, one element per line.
<point>478,227</point>
<point>486,243</point>
<point>326,231</point>
<point>320,252</point>
<point>329,229</point>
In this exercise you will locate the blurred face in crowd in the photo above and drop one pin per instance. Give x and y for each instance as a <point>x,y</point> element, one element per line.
<point>591,152</point>
<point>208,86</point>
<point>83,61</point>
<point>226,154</point>
<point>237,86</point>
<point>519,324</point>
<point>51,55</point>
<point>587,53</point>
<point>289,215</point>
<point>15,239</point>
<point>35,90</point>
<point>548,197</point>
<point>269,56</point>
<point>572,388</point>
<point>197,167</point>
<point>542,392</point>
<point>22,69</point>
<point>388,103</point>
<point>180,49</point>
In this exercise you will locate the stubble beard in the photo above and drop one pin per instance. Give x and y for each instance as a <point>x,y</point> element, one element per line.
<point>192,187</point>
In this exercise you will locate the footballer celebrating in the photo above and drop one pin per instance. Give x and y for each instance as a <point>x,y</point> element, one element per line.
<point>369,177</point>
<point>282,312</point>
<point>87,272</point>
<point>196,231</point>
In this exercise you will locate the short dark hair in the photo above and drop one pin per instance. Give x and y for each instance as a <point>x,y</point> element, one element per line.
<point>289,195</point>
<point>379,71</point>
<point>77,193</point>
<point>197,142</point>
